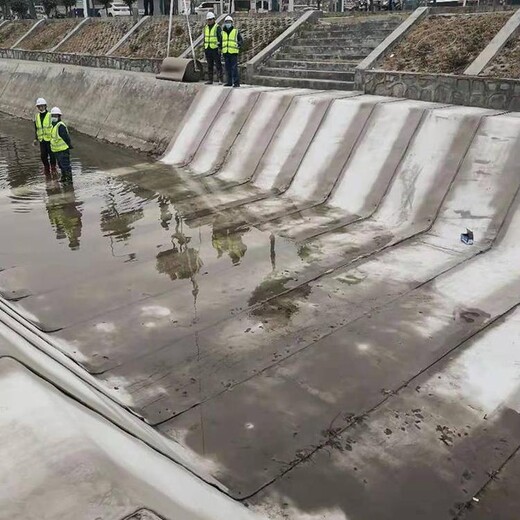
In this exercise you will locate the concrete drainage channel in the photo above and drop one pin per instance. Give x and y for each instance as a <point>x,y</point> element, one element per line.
<point>63,422</point>
<point>288,304</point>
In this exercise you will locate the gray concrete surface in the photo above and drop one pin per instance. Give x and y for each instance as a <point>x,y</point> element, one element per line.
<point>321,347</point>
<point>106,104</point>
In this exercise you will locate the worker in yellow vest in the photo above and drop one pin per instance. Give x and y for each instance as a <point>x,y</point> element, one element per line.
<point>212,45</point>
<point>61,144</point>
<point>43,127</point>
<point>231,42</point>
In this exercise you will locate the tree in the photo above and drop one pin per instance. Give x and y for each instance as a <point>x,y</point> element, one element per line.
<point>68,4</point>
<point>49,6</point>
<point>105,4</point>
<point>20,7</point>
<point>129,3</point>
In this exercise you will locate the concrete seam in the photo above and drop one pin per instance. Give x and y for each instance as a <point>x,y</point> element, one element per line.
<point>208,128</point>
<point>251,107</point>
<point>100,127</point>
<point>20,40</point>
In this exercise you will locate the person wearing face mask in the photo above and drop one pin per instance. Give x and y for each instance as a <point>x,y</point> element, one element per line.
<point>43,127</point>
<point>61,145</point>
<point>212,43</point>
<point>231,42</point>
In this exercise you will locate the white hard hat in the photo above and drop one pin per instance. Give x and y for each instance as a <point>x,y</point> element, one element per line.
<point>40,101</point>
<point>228,18</point>
<point>210,16</point>
<point>55,111</point>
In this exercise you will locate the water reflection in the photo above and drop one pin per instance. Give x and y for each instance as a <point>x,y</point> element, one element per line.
<point>229,240</point>
<point>181,261</point>
<point>63,210</point>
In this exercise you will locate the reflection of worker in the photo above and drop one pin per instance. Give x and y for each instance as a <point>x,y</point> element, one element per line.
<point>43,127</point>
<point>64,213</point>
<point>231,42</point>
<point>229,241</point>
<point>61,144</point>
<point>212,44</point>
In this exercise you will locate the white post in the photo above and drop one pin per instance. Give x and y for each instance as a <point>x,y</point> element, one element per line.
<point>169,29</point>
<point>85,8</point>
<point>291,6</point>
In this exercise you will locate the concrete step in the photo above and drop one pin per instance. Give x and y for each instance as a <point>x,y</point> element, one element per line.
<point>343,41</point>
<point>345,31</point>
<point>337,75</point>
<point>343,56</point>
<point>312,65</point>
<point>317,84</point>
<point>305,50</point>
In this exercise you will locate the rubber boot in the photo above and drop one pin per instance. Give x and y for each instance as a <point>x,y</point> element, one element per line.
<point>46,171</point>
<point>54,171</point>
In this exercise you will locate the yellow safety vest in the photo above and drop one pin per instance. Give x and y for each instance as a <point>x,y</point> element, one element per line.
<point>210,37</point>
<point>43,132</point>
<point>57,143</point>
<point>230,42</point>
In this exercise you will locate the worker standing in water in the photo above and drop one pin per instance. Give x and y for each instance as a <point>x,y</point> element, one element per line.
<point>61,144</point>
<point>231,43</point>
<point>43,127</point>
<point>212,45</point>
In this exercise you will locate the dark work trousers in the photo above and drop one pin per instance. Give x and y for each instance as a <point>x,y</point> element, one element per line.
<point>46,155</point>
<point>148,7</point>
<point>231,61</point>
<point>214,62</point>
<point>63,159</point>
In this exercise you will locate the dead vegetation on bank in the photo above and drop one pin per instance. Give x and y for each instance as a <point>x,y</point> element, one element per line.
<point>445,44</point>
<point>507,63</point>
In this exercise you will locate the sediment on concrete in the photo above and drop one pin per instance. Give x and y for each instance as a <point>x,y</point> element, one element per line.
<point>127,108</point>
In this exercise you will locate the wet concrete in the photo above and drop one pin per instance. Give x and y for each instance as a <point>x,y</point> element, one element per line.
<point>257,327</point>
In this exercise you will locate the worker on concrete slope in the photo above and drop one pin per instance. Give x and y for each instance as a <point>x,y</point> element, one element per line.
<point>61,144</point>
<point>43,127</point>
<point>212,45</point>
<point>231,43</point>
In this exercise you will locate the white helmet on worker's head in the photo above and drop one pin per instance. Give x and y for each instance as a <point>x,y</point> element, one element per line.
<point>228,19</point>
<point>55,111</point>
<point>41,102</point>
<point>210,16</point>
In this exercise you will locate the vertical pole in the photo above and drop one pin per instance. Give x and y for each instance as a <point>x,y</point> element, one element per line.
<point>170,29</point>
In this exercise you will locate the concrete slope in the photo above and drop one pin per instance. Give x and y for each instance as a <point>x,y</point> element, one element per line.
<point>223,131</point>
<point>323,160</point>
<point>462,413</point>
<point>256,134</point>
<point>350,372</point>
<point>367,174</point>
<point>198,120</point>
<point>339,298</point>
<point>279,160</point>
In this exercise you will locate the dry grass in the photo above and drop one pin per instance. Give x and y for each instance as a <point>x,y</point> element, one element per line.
<point>98,36</point>
<point>48,35</point>
<point>445,44</point>
<point>507,63</point>
<point>11,32</point>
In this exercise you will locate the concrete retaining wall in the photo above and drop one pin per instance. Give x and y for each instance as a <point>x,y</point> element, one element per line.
<point>127,108</point>
<point>495,93</point>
